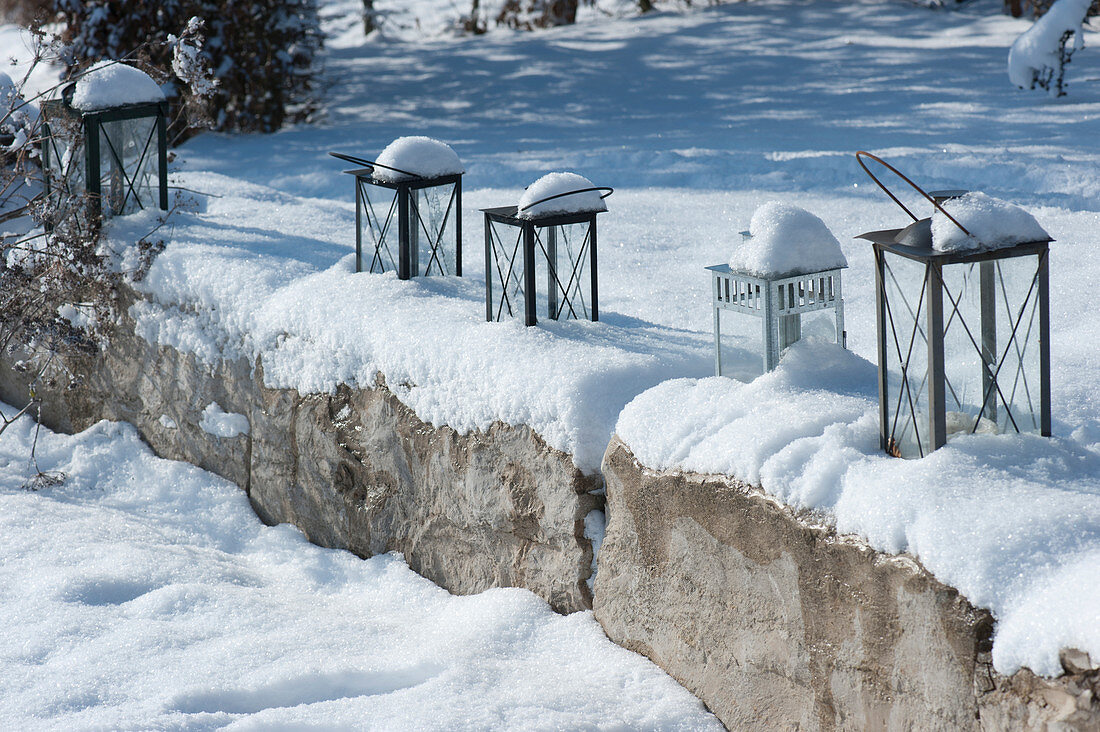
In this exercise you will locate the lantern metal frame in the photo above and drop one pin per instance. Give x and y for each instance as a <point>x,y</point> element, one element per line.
<point>914,243</point>
<point>402,199</point>
<point>534,235</point>
<point>779,302</point>
<point>89,125</point>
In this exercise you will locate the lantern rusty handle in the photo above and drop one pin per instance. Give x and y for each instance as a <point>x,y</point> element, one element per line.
<point>863,154</point>
<point>609,190</point>
<point>371,164</point>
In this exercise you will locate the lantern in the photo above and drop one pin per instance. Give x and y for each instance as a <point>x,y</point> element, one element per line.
<point>107,137</point>
<point>789,264</point>
<point>552,229</point>
<point>408,209</point>
<point>963,322</point>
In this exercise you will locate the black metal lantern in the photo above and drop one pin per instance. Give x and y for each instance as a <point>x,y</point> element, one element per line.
<point>963,336</point>
<point>117,155</point>
<point>561,243</point>
<point>427,214</point>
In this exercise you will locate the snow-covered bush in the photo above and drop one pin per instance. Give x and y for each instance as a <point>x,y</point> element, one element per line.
<point>261,53</point>
<point>60,285</point>
<point>1039,56</point>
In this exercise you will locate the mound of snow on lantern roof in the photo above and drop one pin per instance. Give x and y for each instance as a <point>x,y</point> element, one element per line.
<point>786,240</point>
<point>559,188</point>
<point>421,156</point>
<point>111,84</point>
<point>992,224</point>
<point>1036,53</point>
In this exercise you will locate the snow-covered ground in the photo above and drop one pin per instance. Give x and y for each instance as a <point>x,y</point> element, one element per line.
<point>695,119</point>
<point>144,594</point>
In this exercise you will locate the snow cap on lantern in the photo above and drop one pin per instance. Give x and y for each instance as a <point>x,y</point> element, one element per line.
<point>786,240</point>
<point>788,264</point>
<point>111,84</point>
<point>107,139</point>
<point>416,156</point>
<point>560,193</point>
<point>991,223</point>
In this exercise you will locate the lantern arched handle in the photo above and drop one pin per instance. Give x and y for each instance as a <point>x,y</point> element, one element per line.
<point>609,190</point>
<point>863,154</point>
<point>371,164</point>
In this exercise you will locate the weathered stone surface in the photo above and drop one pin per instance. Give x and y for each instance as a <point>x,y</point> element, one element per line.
<point>777,623</point>
<point>355,469</point>
<point>1028,702</point>
<point>488,509</point>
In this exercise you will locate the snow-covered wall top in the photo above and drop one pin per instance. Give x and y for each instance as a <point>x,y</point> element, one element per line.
<point>786,240</point>
<point>111,84</point>
<point>421,156</point>
<point>563,186</point>
<point>992,223</point>
<point>1012,521</point>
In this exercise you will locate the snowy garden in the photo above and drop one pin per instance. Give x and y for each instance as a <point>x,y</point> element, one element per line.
<point>141,592</point>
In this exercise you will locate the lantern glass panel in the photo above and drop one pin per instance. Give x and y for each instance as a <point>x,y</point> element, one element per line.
<point>378,218</point>
<point>561,260</point>
<point>127,169</point>
<point>433,230</point>
<point>906,397</point>
<point>991,349</point>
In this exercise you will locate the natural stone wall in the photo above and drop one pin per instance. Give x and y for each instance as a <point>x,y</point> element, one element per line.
<point>774,621</point>
<point>356,469</point>
<point>778,623</point>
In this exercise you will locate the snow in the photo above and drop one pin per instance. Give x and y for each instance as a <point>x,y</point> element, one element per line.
<point>595,526</point>
<point>78,317</point>
<point>258,263</point>
<point>219,423</point>
<point>786,240</point>
<point>1035,55</point>
<point>145,594</point>
<point>568,193</point>
<point>1012,521</point>
<point>992,223</point>
<point>113,84</point>
<point>421,156</point>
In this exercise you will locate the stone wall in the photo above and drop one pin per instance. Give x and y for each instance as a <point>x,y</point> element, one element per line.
<point>777,623</point>
<point>355,469</point>
<point>774,621</point>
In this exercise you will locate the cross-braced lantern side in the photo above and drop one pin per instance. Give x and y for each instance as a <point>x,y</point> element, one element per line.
<point>779,303</point>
